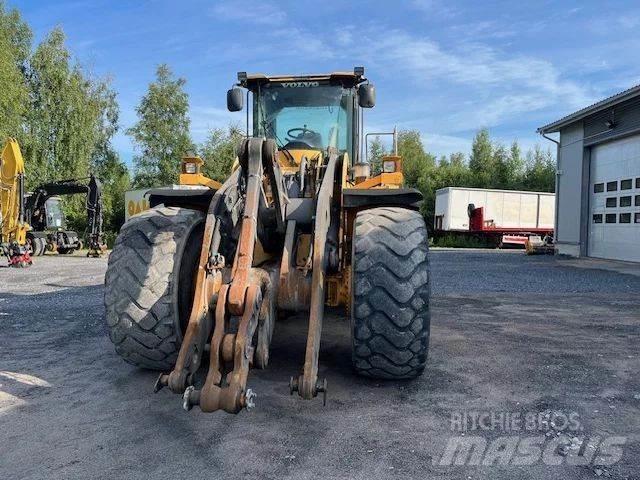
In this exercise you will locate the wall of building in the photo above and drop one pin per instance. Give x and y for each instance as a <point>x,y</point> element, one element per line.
<point>626,119</point>
<point>572,189</point>
<point>569,191</point>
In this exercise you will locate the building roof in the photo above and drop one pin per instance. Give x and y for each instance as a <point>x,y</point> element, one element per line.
<point>591,109</point>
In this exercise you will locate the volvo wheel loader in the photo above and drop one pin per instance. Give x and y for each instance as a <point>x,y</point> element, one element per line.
<point>195,285</point>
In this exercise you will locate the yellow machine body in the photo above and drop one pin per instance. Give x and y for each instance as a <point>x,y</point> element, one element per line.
<point>13,227</point>
<point>191,174</point>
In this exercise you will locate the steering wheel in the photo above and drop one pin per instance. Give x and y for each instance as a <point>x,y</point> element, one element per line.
<point>301,133</point>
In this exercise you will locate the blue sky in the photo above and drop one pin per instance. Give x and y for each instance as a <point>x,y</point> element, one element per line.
<point>443,68</point>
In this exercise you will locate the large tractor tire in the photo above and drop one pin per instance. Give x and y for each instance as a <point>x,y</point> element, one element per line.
<point>390,316</point>
<point>149,284</point>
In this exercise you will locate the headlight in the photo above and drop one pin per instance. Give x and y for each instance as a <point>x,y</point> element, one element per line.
<point>361,170</point>
<point>190,168</point>
<point>389,166</point>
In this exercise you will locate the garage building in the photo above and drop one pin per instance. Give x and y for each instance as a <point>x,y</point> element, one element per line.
<point>598,179</point>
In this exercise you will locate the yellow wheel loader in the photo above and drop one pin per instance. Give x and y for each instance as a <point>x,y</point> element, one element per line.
<point>13,227</point>
<point>195,285</point>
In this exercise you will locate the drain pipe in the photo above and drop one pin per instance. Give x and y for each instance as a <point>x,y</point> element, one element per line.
<point>557,190</point>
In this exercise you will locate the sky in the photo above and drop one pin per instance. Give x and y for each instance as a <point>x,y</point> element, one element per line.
<point>443,68</point>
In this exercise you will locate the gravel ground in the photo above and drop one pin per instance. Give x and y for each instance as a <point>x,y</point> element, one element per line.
<point>511,335</point>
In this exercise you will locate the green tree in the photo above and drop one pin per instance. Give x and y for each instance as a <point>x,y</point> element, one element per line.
<point>481,161</point>
<point>106,163</point>
<point>415,160</point>
<point>508,167</point>
<point>219,151</point>
<point>115,179</point>
<point>63,115</point>
<point>69,123</point>
<point>13,91</point>
<point>454,172</point>
<point>161,134</point>
<point>376,152</point>
<point>540,174</point>
<point>19,35</point>
<point>515,168</point>
<point>63,118</point>
<point>15,44</point>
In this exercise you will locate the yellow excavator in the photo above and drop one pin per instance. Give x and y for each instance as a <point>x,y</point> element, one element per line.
<point>13,227</point>
<point>195,285</point>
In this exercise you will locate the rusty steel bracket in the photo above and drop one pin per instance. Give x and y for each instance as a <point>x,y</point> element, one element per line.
<point>228,391</point>
<point>272,169</point>
<point>248,231</point>
<point>294,287</point>
<point>307,384</point>
<point>208,282</point>
<point>267,278</point>
<point>245,305</point>
<point>244,297</point>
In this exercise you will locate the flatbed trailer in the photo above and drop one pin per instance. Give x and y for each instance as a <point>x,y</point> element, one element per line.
<point>499,217</point>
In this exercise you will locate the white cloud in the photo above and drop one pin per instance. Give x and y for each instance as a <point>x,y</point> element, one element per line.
<point>475,64</point>
<point>483,86</point>
<point>261,13</point>
<point>611,24</point>
<point>294,41</point>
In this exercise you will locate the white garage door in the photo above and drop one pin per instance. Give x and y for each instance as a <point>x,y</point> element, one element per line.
<point>614,225</point>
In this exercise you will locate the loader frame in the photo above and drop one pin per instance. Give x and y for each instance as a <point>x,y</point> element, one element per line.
<point>249,264</point>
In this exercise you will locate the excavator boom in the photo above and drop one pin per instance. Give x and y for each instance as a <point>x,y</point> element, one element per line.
<point>13,228</point>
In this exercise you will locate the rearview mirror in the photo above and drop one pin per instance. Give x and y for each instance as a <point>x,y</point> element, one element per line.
<point>366,95</point>
<point>235,99</point>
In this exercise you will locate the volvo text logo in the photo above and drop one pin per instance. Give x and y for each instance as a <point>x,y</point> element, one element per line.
<point>300,84</point>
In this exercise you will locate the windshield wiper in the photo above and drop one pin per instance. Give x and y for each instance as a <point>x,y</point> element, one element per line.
<point>266,126</point>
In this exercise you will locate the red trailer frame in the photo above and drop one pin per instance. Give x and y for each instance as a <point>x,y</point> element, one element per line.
<point>509,236</point>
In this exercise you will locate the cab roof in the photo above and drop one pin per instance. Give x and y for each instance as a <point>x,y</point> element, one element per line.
<point>348,79</point>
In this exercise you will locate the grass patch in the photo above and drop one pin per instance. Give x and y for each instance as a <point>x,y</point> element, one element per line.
<point>456,240</point>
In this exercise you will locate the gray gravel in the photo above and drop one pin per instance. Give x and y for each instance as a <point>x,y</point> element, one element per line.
<point>510,271</point>
<point>510,333</point>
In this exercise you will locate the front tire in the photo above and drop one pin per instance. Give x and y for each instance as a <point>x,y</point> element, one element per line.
<point>149,284</point>
<point>390,316</point>
<point>42,245</point>
<point>34,245</point>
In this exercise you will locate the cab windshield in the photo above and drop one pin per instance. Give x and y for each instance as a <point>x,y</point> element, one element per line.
<point>305,115</point>
<point>55,217</point>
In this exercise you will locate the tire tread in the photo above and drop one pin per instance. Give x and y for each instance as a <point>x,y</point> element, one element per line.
<point>390,293</point>
<point>140,286</point>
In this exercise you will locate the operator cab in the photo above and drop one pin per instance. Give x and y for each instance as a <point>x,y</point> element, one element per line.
<point>306,115</point>
<point>54,215</point>
<point>48,216</point>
